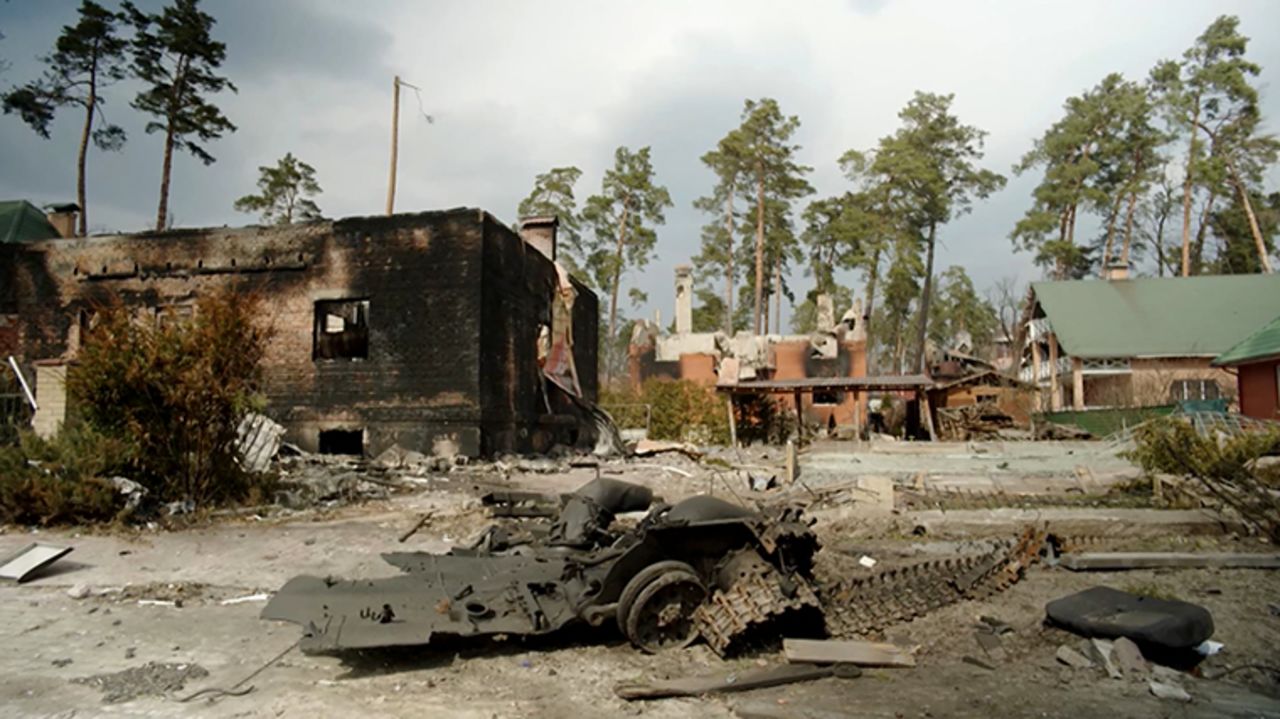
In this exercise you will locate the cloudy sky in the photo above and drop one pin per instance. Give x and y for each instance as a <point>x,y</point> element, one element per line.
<point>518,87</point>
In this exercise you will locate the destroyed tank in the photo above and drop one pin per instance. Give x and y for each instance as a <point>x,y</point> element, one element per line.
<point>703,567</point>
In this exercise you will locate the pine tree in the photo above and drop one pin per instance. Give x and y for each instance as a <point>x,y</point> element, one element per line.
<point>552,196</point>
<point>621,218</point>
<point>774,181</point>
<point>928,167</point>
<point>1208,93</point>
<point>717,254</point>
<point>284,193</point>
<point>87,57</point>
<point>175,57</point>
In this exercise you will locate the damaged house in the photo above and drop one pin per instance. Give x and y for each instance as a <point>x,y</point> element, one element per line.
<point>435,331</point>
<point>838,349</point>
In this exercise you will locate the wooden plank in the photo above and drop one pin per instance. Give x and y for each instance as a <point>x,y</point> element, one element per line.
<point>1149,560</point>
<point>865,654</point>
<point>736,682</point>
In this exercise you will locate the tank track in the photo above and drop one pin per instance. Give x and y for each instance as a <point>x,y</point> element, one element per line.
<point>866,605</point>
<point>744,614</point>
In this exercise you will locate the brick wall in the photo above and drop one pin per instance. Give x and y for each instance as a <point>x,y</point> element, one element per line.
<point>425,277</point>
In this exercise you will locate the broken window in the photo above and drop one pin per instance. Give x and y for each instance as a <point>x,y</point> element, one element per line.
<point>1182,390</point>
<point>341,329</point>
<point>828,397</point>
<point>342,441</point>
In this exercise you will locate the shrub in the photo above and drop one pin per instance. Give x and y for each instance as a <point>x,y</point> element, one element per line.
<point>1225,466</point>
<point>174,392</point>
<point>60,481</point>
<point>681,410</point>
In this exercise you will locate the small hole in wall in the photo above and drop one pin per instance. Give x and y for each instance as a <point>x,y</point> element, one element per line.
<point>104,269</point>
<point>233,262</point>
<point>342,441</point>
<point>299,257</point>
<point>168,266</point>
<point>200,264</point>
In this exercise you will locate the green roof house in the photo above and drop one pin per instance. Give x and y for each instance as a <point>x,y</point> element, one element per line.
<point>1256,362</point>
<point>1121,342</point>
<point>21,221</point>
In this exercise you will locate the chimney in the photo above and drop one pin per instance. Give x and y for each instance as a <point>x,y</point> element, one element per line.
<point>826,312</point>
<point>684,299</point>
<point>63,218</point>
<point>1117,270</point>
<point>540,233</point>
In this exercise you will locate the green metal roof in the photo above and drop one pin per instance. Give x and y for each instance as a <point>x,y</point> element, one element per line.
<point>21,221</point>
<point>1259,345</point>
<point>1157,316</point>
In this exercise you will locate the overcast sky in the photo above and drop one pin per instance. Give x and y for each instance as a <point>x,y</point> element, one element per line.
<point>519,87</point>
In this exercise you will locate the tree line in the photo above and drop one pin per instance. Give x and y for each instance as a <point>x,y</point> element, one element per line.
<point>174,59</point>
<point>1111,158</point>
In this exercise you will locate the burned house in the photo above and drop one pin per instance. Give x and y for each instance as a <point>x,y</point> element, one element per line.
<point>439,331</point>
<point>837,350</point>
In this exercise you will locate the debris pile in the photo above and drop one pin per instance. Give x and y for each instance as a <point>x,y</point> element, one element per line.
<point>150,679</point>
<point>980,420</point>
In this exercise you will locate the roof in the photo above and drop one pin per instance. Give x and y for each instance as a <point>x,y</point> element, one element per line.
<point>21,221</point>
<point>1157,316</point>
<point>1262,344</point>
<point>987,377</point>
<point>811,384</point>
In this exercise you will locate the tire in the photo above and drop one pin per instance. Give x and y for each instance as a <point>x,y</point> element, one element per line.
<point>637,584</point>
<point>661,616</point>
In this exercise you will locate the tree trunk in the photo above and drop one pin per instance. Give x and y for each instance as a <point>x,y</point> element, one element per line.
<point>80,164</point>
<point>1159,238</point>
<point>728,274</point>
<point>1186,194</point>
<point>1197,249</point>
<point>1111,231</point>
<point>162,212</point>
<point>777,298</point>
<point>872,275</point>
<point>1128,227</point>
<point>1253,219</point>
<point>759,245</point>
<point>921,360</point>
<point>85,134</point>
<point>613,291</point>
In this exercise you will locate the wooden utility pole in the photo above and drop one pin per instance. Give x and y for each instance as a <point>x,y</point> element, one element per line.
<point>395,141</point>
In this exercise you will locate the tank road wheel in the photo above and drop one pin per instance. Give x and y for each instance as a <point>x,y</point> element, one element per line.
<point>641,580</point>
<point>661,617</point>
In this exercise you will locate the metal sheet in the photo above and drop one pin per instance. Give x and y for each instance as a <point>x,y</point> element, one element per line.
<point>19,566</point>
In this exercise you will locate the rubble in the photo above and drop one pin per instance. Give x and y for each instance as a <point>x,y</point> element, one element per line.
<point>150,679</point>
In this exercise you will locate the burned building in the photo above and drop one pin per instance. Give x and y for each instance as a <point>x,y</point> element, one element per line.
<point>430,331</point>
<point>837,349</point>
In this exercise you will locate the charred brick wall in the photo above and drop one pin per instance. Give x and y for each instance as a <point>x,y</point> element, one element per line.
<point>436,342</point>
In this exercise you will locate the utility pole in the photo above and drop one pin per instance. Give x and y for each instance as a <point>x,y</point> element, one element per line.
<point>395,139</point>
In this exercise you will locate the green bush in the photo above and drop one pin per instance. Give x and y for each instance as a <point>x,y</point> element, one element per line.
<point>682,411</point>
<point>1225,466</point>
<point>174,392</point>
<point>60,481</point>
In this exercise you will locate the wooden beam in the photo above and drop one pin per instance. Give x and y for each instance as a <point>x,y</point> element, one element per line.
<point>1077,383</point>
<point>799,416</point>
<point>1108,561</point>
<point>733,422</point>
<point>1055,384</point>
<point>734,682</point>
<point>866,654</point>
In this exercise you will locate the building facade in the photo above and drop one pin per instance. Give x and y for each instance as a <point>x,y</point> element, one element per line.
<point>426,330</point>
<point>1121,342</point>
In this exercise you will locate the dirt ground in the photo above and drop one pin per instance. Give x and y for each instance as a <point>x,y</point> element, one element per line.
<point>152,603</point>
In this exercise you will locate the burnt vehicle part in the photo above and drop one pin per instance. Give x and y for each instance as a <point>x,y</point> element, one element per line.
<point>703,567</point>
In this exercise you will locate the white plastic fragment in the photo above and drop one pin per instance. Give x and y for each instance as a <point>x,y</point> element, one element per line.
<point>247,598</point>
<point>866,561</point>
